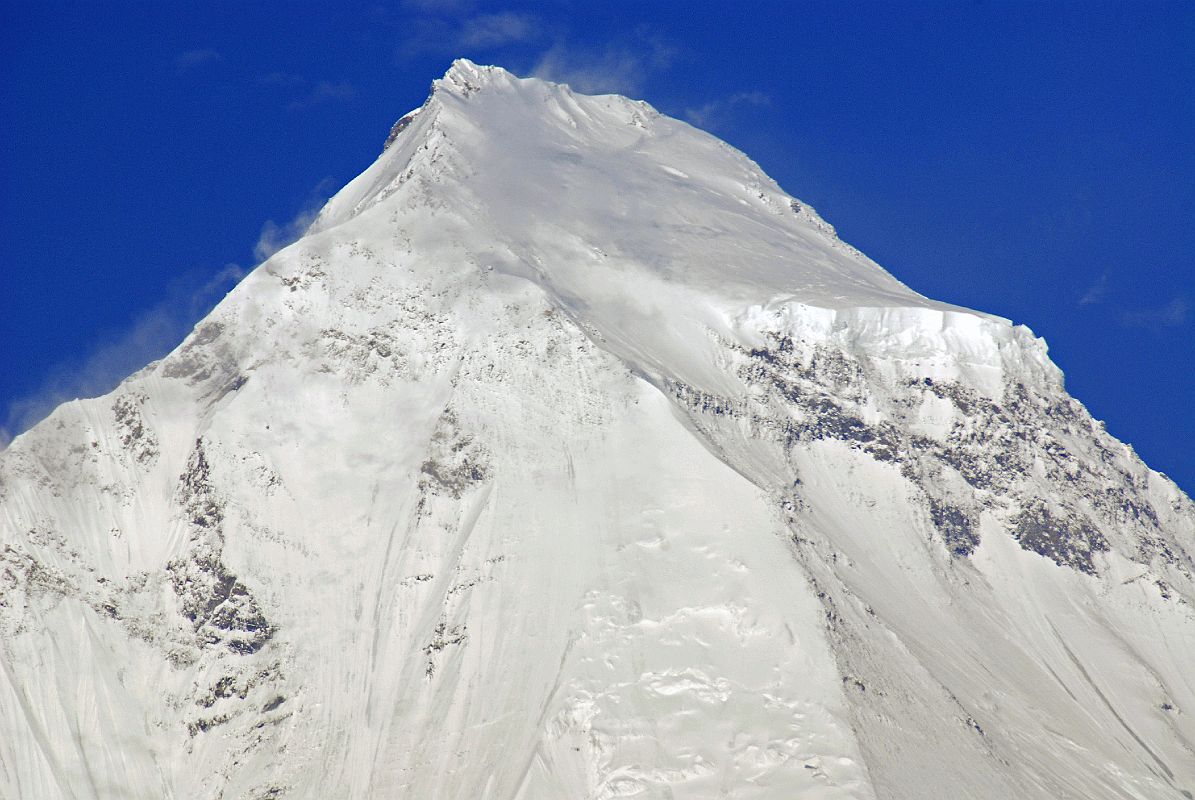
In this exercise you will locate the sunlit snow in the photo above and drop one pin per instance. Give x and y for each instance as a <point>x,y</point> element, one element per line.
<point>568,456</point>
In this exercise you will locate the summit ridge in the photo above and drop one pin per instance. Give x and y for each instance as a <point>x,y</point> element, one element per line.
<point>466,76</point>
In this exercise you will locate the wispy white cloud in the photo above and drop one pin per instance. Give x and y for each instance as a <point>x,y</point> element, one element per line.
<point>196,58</point>
<point>449,33</point>
<point>324,92</point>
<point>305,93</point>
<point>1096,292</point>
<point>284,79</point>
<point>151,336</point>
<point>496,30</point>
<point>1170,315</point>
<point>275,236</point>
<point>439,6</point>
<point>447,27</point>
<point>715,113</point>
<point>617,67</point>
<point>156,332</point>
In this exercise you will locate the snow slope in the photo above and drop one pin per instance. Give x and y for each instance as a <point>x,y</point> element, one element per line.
<point>568,456</point>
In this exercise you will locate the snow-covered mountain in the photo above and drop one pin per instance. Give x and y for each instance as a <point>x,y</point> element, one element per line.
<point>567,456</point>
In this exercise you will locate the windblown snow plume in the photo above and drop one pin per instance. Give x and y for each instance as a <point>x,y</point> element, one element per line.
<point>567,456</point>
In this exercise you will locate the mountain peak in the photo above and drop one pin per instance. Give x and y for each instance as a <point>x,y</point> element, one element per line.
<point>568,456</point>
<point>465,77</point>
<point>540,157</point>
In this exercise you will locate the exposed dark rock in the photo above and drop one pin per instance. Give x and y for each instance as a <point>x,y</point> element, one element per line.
<point>955,527</point>
<point>136,437</point>
<point>1067,541</point>
<point>219,606</point>
<point>444,636</point>
<point>198,359</point>
<point>222,688</point>
<point>25,582</point>
<point>455,460</point>
<point>237,693</point>
<point>398,128</point>
<point>1021,446</point>
<point>205,724</point>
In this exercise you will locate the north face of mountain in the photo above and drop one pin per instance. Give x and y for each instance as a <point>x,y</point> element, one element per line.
<point>567,455</point>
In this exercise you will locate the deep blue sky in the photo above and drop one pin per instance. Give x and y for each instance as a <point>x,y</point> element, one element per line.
<point>1033,160</point>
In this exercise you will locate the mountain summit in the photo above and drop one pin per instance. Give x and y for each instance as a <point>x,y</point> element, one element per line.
<point>568,456</point>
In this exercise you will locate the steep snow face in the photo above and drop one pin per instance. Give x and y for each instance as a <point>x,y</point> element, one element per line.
<point>646,229</point>
<point>568,456</point>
